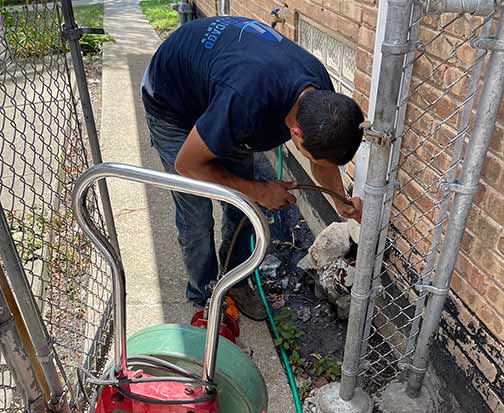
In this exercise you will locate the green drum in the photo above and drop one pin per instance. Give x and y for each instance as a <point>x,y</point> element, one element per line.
<point>240,385</point>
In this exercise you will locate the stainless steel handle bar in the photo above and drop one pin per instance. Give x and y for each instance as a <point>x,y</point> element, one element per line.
<point>179,184</point>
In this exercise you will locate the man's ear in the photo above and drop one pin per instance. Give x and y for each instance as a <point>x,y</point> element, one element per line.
<point>297,135</point>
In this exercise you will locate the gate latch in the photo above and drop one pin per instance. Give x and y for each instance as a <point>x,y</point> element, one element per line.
<point>373,136</point>
<point>77,32</point>
<point>458,188</point>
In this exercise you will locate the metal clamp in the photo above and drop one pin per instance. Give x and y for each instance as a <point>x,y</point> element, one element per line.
<point>380,190</point>
<point>76,33</point>
<point>351,373</point>
<point>373,136</point>
<point>488,43</point>
<point>409,366</point>
<point>358,296</point>
<point>458,188</point>
<point>434,290</point>
<point>396,48</point>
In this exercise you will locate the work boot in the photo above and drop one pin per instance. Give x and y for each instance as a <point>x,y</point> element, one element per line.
<point>248,302</point>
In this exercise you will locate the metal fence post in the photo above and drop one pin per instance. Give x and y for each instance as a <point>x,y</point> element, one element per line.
<point>394,49</point>
<point>31,314</point>
<point>464,190</point>
<point>18,361</point>
<point>73,34</point>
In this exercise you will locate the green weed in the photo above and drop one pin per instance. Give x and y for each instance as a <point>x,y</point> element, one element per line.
<point>160,15</point>
<point>36,33</point>
<point>326,366</point>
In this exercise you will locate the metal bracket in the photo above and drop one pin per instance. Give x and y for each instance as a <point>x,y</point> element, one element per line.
<point>409,366</point>
<point>373,136</point>
<point>359,296</point>
<point>380,190</point>
<point>488,43</point>
<point>458,188</point>
<point>433,290</point>
<point>77,32</point>
<point>396,49</point>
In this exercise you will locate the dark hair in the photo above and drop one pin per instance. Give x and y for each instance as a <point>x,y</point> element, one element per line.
<point>330,123</point>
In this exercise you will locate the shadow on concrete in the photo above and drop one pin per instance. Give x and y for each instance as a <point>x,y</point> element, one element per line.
<point>158,201</point>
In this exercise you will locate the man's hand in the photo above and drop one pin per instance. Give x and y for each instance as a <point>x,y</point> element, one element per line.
<point>354,212</point>
<point>274,195</point>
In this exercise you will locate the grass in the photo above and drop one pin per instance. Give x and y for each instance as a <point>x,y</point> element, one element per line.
<point>160,15</point>
<point>36,32</point>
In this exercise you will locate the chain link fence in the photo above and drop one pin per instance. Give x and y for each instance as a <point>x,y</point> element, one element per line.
<point>441,81</point>
<point>42,153</point>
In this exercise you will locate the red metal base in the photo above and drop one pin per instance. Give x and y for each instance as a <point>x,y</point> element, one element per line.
<point>229,327</point>
<point>111,401</point>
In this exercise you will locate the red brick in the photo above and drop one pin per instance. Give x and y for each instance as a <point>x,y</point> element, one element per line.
<point>349,9</point>
<point>458,81</point>
<point>370,16</point>
<point>467,241</point>
<point>500,246</point>
<point>483,227</point>
<point>364,61</point>
<point>366,38</point>
<point>362,82</point>
<point>497,142</point>
<point>493,172</point>
<point>493,204</point>
<point>362,100</point>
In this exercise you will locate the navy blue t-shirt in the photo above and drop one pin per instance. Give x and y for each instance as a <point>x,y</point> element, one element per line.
<point>235,78</point>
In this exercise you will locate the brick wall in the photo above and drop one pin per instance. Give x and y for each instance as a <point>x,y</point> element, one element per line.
<point>472,329</point>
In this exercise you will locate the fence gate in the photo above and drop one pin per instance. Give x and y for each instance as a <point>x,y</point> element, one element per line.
<point>42,152</point>
<point>418,172</point>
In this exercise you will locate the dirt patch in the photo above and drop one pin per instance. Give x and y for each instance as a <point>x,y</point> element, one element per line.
<point>323,334</point>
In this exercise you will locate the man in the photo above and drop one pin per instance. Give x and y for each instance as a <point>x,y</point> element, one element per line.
<point>219,89</point>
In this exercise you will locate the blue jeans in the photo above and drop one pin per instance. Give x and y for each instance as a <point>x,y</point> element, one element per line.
<point>194,215</point>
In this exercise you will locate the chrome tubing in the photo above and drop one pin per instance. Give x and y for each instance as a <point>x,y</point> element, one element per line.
<point>179,184</point>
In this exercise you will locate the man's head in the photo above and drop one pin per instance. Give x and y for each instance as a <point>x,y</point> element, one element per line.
<point>327,127</point>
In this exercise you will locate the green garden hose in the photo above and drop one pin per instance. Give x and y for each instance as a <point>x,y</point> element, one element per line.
<point>274,328</point>
<point>271,320</point>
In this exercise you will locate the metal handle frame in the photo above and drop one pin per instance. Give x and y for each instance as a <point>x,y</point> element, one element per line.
<point>179,184</point>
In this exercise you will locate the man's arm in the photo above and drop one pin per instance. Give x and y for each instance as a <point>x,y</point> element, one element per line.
<point>195,160</point>
<point>330,178</point>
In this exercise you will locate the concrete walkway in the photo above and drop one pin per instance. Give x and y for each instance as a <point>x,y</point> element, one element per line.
<point>145,215</point>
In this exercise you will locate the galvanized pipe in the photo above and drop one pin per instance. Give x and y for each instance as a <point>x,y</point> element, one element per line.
<point>475,7</point>
<point>31,314</point>
<point>416,14</point>
<point>394,48</point>
<point>463,126</point>
<point>491,97</point>
<point>16,356</point>
<point>180,184</point>
<point>71,27</point>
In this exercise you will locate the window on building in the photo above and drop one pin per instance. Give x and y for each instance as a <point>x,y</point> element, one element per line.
<point>225,7</point>
<point>338,56</point>
<point>333,51</point>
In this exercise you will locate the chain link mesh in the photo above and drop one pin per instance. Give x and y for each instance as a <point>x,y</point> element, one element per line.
<point>433,120</point>
<point>42,153</point>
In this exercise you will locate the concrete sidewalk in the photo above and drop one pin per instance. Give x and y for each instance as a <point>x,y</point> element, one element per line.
<point>144,215</point>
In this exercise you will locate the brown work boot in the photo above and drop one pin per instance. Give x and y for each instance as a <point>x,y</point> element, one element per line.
<point>248,302</point>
